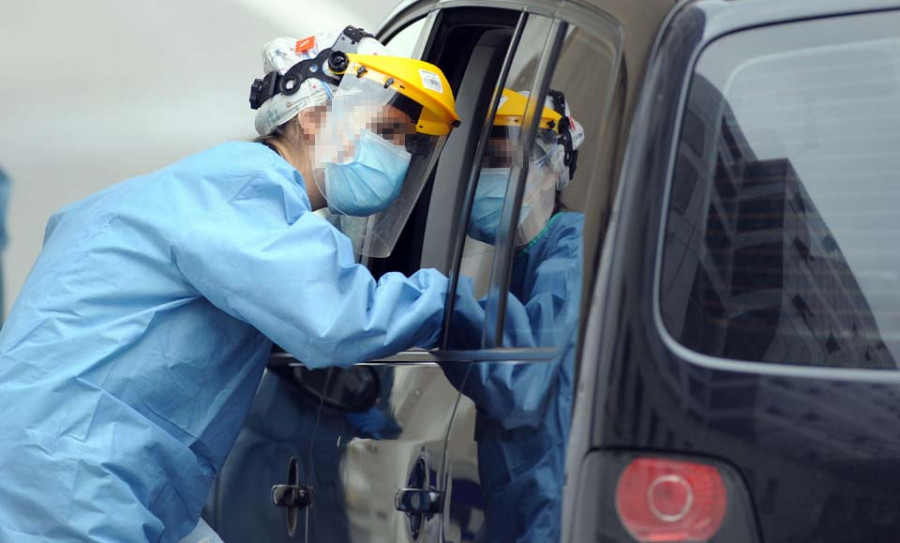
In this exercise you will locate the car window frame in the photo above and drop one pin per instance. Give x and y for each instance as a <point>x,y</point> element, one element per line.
<point>418,356</point>
<point>548,53</point>
<point>561,19</point>
<point>672,344</point>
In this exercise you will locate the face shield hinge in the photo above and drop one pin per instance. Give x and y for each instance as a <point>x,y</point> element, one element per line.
<point>289,83</point>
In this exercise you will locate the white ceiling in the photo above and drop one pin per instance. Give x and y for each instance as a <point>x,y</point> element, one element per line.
<point>96,91</point>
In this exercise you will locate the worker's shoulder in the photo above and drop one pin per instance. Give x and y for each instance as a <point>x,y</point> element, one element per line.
<point>233,166</point>
<point>234,159</point>
<point>202,178</point>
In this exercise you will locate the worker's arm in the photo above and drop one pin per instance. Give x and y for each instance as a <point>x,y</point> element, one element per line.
<point>516,394</point>
<point>295,280</point>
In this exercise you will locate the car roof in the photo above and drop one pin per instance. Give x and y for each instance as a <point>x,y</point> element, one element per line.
<point>653,8</point>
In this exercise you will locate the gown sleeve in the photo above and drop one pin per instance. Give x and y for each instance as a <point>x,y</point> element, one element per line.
<point>544,314</point>
<point>294,279</point>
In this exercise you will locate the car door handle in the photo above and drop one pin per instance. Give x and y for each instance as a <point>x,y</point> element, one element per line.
<point>292,496</point>
<point>417,501</point>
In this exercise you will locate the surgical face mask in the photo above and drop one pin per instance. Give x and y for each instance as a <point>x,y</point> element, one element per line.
<point>537,203</point>
<point>370,181</point>
<point>488,204</point>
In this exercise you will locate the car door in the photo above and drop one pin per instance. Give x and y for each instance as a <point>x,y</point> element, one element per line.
<point>424,483</point>
<point>381,471</point>
<point>506,447</point>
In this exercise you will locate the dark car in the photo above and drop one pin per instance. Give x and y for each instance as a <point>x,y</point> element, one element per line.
<point>717,363</point>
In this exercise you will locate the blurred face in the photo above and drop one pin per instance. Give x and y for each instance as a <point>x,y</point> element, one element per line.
<point>502,147</point>
<point>393,125</point>
<point>311,121</point>
<point>390,123</point>
<point>499,153</point>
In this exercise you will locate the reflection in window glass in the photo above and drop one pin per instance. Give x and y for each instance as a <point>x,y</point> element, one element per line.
<point>524,410</point>
<point>478,252</point>
<point>780,244</point>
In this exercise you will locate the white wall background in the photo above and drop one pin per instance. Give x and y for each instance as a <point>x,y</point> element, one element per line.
<point>96,91</point>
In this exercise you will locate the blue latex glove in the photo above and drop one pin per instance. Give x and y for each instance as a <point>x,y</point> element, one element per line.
<point>375,424</point>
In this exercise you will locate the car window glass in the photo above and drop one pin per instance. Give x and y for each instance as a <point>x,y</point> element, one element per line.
<point>522,410</point>
<point>780,242</point>
<point>478,251</point>
<point>562,186</point>
<point>548,266</point>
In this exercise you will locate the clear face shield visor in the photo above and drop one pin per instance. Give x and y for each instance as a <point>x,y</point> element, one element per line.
<point>539,199</point>
<point>374,152</point>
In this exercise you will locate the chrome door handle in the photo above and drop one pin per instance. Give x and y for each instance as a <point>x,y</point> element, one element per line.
<point>417,501</point>
<point>293,497</point>
<point>297,496</point>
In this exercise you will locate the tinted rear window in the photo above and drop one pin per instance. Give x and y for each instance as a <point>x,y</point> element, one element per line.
<point>781,238</point>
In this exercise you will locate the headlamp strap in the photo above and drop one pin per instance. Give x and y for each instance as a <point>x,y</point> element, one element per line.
<point>333,58</point>
<point>565,134</point>
<point>289,83</point>
<point>354,35</point>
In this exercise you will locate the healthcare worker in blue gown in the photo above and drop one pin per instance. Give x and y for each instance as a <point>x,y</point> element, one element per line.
<point>133,352</point>
<point>524,410</point>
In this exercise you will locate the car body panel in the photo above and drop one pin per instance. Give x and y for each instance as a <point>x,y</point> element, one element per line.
<point>813,445</point>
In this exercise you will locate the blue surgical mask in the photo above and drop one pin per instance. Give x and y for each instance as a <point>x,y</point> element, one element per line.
<point>371,181</point>
<point>488,203</point>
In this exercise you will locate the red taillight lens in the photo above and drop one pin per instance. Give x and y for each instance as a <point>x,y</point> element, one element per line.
<point>669,500</point>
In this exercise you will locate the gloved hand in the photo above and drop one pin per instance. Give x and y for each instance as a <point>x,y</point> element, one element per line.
<point>375,424</point>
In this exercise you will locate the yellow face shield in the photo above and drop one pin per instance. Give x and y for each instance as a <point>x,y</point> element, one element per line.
<point>379,140</point>
<point>512,110</point>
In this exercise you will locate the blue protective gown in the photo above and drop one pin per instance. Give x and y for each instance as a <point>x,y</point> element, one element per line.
<point>524,410</point>
<point>134,350</point>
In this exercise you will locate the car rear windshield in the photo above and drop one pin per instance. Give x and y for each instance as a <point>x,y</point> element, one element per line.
<point>781,239</point>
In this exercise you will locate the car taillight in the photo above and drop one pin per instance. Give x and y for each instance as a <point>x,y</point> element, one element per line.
<point>670,500</point>
<point>643,496</point>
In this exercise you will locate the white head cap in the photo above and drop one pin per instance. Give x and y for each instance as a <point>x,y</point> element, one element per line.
<point>554,149</point>
<point>549,175</point>
<point>281,54</point>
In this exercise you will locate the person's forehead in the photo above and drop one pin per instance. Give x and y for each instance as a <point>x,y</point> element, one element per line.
<point>389,113</point>
<point>502,144</point>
